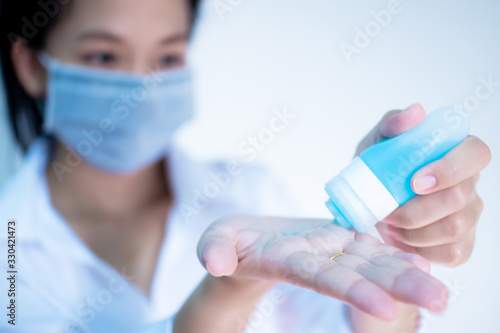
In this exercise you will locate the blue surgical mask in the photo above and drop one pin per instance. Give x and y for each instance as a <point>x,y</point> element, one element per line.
<point>116,121</point>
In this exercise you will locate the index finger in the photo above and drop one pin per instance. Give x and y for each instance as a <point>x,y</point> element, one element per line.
<point>459,164</point>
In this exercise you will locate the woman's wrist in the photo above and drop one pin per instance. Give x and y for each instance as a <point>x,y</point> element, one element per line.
<point>218,302</point>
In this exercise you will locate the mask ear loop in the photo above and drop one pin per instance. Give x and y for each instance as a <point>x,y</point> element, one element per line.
<point>45,60</point>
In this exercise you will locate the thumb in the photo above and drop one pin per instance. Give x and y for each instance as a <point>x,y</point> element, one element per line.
<point>395,123</point>
<point>392,124</point>
<point>217,253</point>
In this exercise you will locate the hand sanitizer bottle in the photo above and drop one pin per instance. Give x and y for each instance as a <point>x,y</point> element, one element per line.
<point>378,181</point>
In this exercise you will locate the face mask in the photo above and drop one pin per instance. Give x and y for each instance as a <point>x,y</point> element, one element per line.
<point>116,121</point>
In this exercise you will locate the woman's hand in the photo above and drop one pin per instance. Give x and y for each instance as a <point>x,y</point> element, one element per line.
<point>440,223</point>
<point>372,276</point>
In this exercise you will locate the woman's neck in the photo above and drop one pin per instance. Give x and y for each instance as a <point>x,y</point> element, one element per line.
<point>85,192</point>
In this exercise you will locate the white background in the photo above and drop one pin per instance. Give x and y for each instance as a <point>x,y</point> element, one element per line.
<point>280,54</point>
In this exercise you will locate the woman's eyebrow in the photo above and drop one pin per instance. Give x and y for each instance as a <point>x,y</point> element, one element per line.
<point>107,36</point>
<point>102,35</point>
<point>181,36</point>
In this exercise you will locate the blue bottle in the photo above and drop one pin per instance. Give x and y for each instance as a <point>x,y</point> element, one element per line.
<point>378,181</point>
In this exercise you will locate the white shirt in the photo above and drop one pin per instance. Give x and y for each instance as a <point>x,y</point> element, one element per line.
<point>62,286</point>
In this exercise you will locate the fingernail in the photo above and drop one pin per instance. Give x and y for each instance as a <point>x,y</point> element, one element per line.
<point>409,107</point>
<point>395,115</point>
<point>424,183</point>
<point>437,306</point>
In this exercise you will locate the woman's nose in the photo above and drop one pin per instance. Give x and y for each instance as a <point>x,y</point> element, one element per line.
<point>140,65</point>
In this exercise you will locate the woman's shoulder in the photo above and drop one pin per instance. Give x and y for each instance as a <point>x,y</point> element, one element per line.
<point>19,194</point>
<point>17,191</point>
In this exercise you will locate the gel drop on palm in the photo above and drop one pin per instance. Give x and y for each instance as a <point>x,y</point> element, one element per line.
<point>378,181</point>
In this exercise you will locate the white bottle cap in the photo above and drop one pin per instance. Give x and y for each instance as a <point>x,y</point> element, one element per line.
<point>358,197</point>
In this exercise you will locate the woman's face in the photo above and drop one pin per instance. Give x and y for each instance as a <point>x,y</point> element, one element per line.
<point>137,36</point>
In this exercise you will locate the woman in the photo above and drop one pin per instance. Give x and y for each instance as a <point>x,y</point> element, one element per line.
<point>96,91</point>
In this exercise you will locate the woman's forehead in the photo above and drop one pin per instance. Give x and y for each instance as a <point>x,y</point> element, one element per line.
<point>126,19</point>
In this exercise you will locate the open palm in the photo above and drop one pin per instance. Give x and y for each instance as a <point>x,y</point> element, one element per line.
<point>371,276</point>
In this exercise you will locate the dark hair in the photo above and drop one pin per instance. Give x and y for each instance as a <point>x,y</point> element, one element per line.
<point>30,20</point>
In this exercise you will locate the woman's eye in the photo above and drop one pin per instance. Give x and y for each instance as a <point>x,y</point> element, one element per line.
<point>170,61</point>
<point>100,59</point>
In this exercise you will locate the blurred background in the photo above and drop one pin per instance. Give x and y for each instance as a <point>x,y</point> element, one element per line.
<point>335,67</point>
